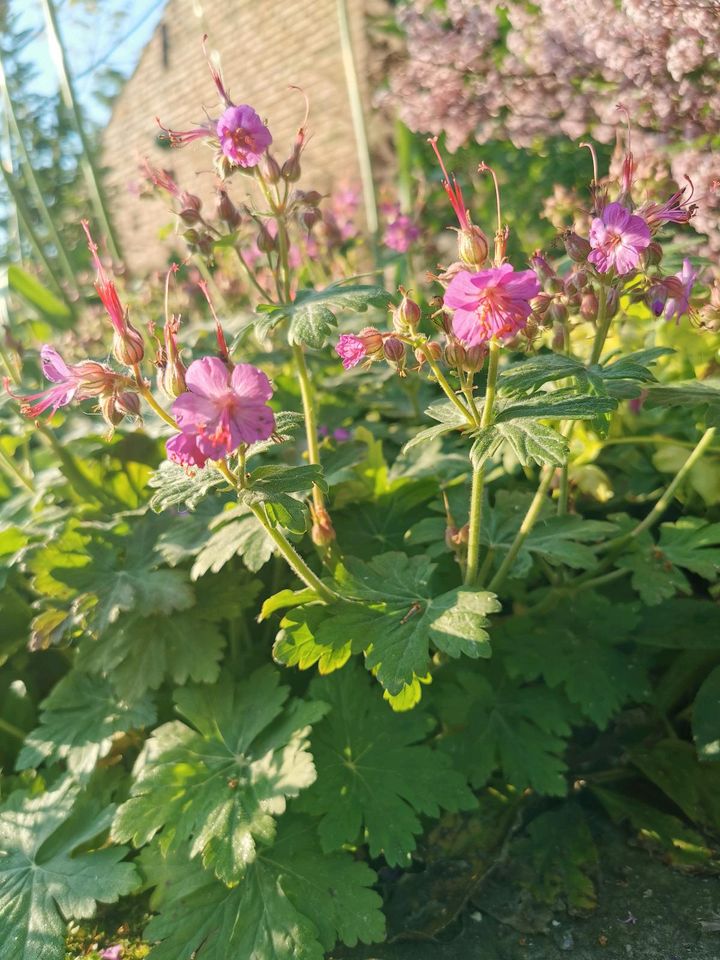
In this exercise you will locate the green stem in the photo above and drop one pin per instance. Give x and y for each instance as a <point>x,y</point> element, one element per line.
<point>92,177</point>
<point>447,389</point>
<point>603,325</point>
<point>12,729</point>
<point>478,475</point>
<point>306,394</point>
<point>210,281</point>
<point>526,526</point>
<point>251,276</point>
<point>12,468</point>
<point>147,396</point>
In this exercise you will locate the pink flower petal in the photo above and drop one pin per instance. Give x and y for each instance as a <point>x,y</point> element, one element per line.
<point>183,449</point>
<point>250,384</point>
<point>208,377</point>
<point>53,366</point>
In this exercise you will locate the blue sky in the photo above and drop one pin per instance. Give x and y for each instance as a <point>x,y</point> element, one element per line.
<point>102,33</point>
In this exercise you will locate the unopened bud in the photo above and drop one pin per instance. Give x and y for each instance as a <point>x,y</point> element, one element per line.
<point>613,302</point>
<point>554,285</point>
<point>558,337</point>
<point>110,412</point>
<point>394,350</point>
<point>530,331</point>
<point>189,215</point>
<point>372,341</point>
<point>473,246</point>
<point>188,201</point>
<point>265,240</point>
<point>577,247</point>
<point>557,312</point>
<point>206,244</point>
<point>271,168</point>
<point>656,297</point>
<point>543,270</point>
<point>456,537</point>
<point>455,354</point>
<point>540,304</point>
<point>227,211</point>
<point>173,378</point>
<point>322,532</point>
<point>406,316</point>
<point>474,359</point>
<point>128,403</point>
<point>589,305</point>
<point>128,346</point>
<point>432,347</point>
<point>652,254</point>
<point>96,379</point>
<point>310,217</point>
<point>291,169</point>
<point>192,237</point>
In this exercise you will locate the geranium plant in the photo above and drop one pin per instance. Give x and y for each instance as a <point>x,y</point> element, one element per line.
<point>265,665</point>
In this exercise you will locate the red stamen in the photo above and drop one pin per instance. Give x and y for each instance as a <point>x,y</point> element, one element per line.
<point>452,189</point>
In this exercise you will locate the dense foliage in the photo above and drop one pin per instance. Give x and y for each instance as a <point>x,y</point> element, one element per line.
<point>256,644</point>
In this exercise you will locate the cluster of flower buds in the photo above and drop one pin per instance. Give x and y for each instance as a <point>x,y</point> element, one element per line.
<point>371,344</point>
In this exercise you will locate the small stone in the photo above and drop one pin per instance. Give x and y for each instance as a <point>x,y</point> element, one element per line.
<point>567,942</point>
<point>647,893</point>
<point>476,916</point>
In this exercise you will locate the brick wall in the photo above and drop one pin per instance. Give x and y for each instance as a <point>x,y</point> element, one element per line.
<point>264,45</point>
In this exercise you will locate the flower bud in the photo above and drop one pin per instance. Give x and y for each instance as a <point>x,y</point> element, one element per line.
<point>372,341</point>
<point>173,378</point>
<point>128,403</point>
<point>188,201</point>
<point>110,412</point>
<point>655,298</point>
<point>271,168</point>
<point>473,246</point>
<point>554,285</point>
<point>192,237</point>
<point>455,354</point>
<point>128,346</point>
<point>613,302</point>
<point>589,305</point>
<point>310,217</point>
<point>577,247</point>
<point>431,347</point>
<point>406,316</point>
<point>540,304</point>
<point>96,379</point>
<point>189,215</point>
<point>530,331</point>
<point>543,270</point>
<point>557,312</point>
<point>558,337</point>
<point>227,211</point>
<point>652,254</point>
<point>322,532</point>
<point>394,350</point>
<point>265,240</point>
<point>291,169</point>
<point>474,359</point>
<point>206,244</point>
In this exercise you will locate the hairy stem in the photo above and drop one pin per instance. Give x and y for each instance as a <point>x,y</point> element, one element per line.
<point>478,475</point>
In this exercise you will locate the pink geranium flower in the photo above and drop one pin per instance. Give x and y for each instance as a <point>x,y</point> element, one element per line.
<point>491,304</point>
<point>76,381</point>
<point>617,238</point>
<point>351,350</point>
<point>220,410</point>
<point>400,233</point>
<point>243,136</point>
<point>677,306</point>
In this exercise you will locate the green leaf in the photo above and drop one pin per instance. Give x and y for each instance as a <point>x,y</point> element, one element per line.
<point>312,314</point>
<point>293,904</point>
<point>634,366</point>
<point>236,533</point>
<point>529,375</point>
<point>177,486</point>
<point>653,576</point>
<point>495,724</point>
<point>579,650</point>
<point>222,778</point>
<point>138,653</point>
<point>680,624</point>
<point>560,859</point>
<point>296,644</point>
<point>706,718</point>
<point>530,442</point>
<point>375,775</point>
<point>42,877</point>
<point>398,619</point>
<point>78,722</point>
<point>273,486</point>
<point>660,832</point>
<point>673,766</point>
<point>692,544</point>
<point>109,573</point>
<point>562,404</point>
<point>29,288</point>
<point>703,394</point>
